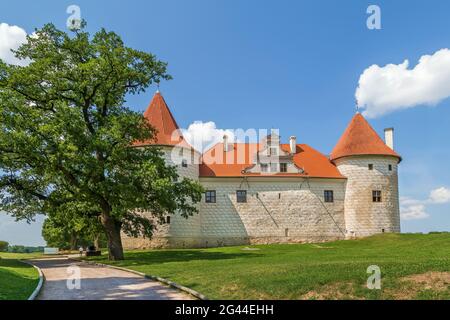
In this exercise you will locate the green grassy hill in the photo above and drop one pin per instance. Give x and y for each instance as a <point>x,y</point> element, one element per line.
<point>17,280</point>
<point>413,266</point>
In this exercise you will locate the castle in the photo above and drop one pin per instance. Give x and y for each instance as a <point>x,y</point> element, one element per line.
<point>270,192</point>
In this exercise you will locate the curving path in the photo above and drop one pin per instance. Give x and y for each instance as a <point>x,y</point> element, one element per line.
<point>99,283</point>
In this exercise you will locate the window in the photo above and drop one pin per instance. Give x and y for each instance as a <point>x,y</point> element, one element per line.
<point>283,167</point>
<point>168,219</point>
<point>264,167</point>
<point>273,167</point>
<point>376,196</point>
<point>241,196</point>
<point>210,196</point>
<point>273,151</point>
<point>390,167</point>
<point>370,166</point>
<point>184,163</point>
<point>328,196</point>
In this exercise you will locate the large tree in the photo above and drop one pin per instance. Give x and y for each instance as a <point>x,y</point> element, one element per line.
<point>66,136</point>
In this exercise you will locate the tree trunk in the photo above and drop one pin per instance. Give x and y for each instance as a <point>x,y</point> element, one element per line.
<point>112,229</point>
<point>97,241</point>
<point>73,241</point>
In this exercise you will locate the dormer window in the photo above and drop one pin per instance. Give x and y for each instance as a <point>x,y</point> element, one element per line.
<point>283,167</point>
<point>273,151</point>
<point>264,167</point>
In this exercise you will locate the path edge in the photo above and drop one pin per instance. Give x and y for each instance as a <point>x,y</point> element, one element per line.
<point>171,284</point>
<point>38,288</point>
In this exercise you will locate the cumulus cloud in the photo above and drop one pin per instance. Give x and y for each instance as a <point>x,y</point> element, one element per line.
<point>440,195</point>
<point>11,38</point>
<point>413,209</point>
<point>203,135</point>
<point>383,90</point>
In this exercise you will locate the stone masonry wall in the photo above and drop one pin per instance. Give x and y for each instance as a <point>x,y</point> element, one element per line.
<point>283,210</point>
<point>363,217</point>
<point>277,211</point>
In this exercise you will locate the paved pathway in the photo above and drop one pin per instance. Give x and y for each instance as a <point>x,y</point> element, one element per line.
<point>99,283</point>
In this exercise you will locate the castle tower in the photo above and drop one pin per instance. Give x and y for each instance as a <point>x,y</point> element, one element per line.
<point>175,231</point>
<point>371,203</point>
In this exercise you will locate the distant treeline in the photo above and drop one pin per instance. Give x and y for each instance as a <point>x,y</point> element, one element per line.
<point>5,247</point>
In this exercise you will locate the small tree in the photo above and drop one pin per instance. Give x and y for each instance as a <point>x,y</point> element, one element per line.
<point>69,227</point>
<point>66,137</point>
<point>4,246</point>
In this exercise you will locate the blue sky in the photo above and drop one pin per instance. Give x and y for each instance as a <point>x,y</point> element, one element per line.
<point>292,65</point>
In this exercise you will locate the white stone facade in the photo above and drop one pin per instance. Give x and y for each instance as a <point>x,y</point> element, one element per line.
<point>284,209</point>
<point>363,216</point>
<point>278,210</point>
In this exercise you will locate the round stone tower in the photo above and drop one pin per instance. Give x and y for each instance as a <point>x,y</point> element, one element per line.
<point>371,203</point>
<point>175,230</point>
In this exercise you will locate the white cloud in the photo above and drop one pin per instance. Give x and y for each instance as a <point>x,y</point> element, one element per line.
<point>413,209</point>
<point>203,135</point>
<point>11,37</point>
<point>383,90</point>
<point>440,195</point>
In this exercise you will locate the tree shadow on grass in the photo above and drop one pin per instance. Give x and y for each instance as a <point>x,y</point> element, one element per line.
<point>13,263</point>
<point>158,257</point>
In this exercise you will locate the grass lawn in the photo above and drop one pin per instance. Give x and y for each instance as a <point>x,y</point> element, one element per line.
<point>17,280</point>
<point>413,266</point>
<point>20,256</point>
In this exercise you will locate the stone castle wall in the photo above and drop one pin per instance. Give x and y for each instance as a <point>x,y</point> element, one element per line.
<point>363,217</point>
<point>277,211</point>
<point>285,210</point>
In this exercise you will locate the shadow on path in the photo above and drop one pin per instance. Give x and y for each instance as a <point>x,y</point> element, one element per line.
<point>98,283</point>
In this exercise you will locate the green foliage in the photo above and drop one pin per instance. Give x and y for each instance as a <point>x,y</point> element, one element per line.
<point>69,230</point>
<point>4,246</point>
<point>66,137</point>
<point>336,270</point>
<point>24,249</point>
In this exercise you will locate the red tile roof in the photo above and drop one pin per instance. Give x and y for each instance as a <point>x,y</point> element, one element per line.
<point>360,139</point>
<point>241,157</point>
<point>160,117</point>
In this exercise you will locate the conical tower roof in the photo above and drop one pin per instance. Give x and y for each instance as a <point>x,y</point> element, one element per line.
<point>360,139</point>
<point>160,117</point>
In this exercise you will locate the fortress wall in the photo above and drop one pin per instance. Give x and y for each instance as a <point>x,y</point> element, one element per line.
<point>286,210</point>
<point>363,217</point>
<point>277,211</point>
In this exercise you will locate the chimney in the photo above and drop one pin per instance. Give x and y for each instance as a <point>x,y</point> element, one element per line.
<point>389,137</point>
<point>225,143</point>
<point>293,144</point>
